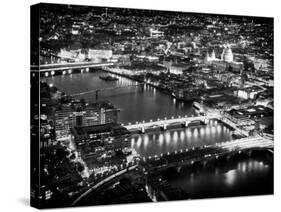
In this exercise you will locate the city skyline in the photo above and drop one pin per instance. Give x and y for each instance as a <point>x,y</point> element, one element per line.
<point>148,106</point>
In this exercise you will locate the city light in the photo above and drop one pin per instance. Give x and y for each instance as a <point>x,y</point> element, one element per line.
<point>115,134</point>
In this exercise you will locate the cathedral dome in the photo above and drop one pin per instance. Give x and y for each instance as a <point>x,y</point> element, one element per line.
<point>227,55</point>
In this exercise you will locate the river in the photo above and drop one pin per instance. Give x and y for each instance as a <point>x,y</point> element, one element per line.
<point>138,102</point>
<point>238,176</point>
<point>155,143</point>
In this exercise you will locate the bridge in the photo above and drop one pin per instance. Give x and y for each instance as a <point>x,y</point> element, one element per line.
<point>184,121</point>
<point>197,154</point>
<point>67,67</point>
<point>181,158</point>
<point>96,91</point>
<point>230,123</point>
<point>163,123</point>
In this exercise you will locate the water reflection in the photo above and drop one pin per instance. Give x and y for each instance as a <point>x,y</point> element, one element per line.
<point>208,131</point>
<point>175,136</point>
<point>182,135</point>
<point>195,133</point>
<point>141,102</point>
<point>146,140</point>
<point>177,139</point>
<point>161,139</point>
<point>243,169</point>
<point>248,176</point>
<point>230,177</point>
<point>252,165</point>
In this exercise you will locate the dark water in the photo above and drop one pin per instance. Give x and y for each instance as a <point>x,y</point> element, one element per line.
<point>137,102</point>
<point>236,177</point>
<point>155,143</point>
<point>248,176</point>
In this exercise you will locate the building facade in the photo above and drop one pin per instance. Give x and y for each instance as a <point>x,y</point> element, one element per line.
<point>70,116</point>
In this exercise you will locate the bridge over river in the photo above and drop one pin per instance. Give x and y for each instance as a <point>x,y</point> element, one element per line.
<point>189,156</point>
<point>181,158</point>
<point>184,121</point>
<point>64,68</point>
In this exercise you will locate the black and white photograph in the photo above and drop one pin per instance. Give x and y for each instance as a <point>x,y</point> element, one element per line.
<point>144,106</point>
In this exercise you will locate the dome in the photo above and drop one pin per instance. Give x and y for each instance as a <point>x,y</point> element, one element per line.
<point>227,55</point>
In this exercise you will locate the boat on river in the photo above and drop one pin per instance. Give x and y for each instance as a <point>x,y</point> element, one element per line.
<point>108,78</point>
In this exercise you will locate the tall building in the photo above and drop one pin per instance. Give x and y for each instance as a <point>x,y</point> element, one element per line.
<point>65,119</point>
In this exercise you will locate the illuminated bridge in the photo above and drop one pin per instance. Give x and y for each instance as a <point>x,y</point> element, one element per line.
<point>181,158</point>
<point>105,89</point>
<point>190,156</point>
<point>163,123</point>
<point>51,69</point>
<point>184,121</point>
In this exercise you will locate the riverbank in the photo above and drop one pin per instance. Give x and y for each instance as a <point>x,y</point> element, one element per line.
<point>138,79</point>
<point>144,103</point>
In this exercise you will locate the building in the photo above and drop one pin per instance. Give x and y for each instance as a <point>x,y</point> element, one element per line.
<point>99,54</point>
<point>65,119</point>
<point>226,61</point>
<point>251,112</point>
<point>211,58</point>
<point>239,118</point>
<point>249,93</point>
<point>70,116</point>
<point>72,55</point>
<point>79,55</point>
<point>227,55</point>
<point>110,136</point>
<point>156,33</point>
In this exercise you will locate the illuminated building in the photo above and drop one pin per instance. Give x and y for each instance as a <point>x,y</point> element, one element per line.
<point>226,60</point>
<point>156,33</point>
<point>249,93</point>
<point>70,116</point>
<point>178,70</point>
<point>99,54</point>
<point>227,55</point>
<point>75,55</point>
<point>111,136</point>
<point>212,58</point>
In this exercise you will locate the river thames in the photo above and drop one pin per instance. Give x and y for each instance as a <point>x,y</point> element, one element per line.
<point>138,102</point>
